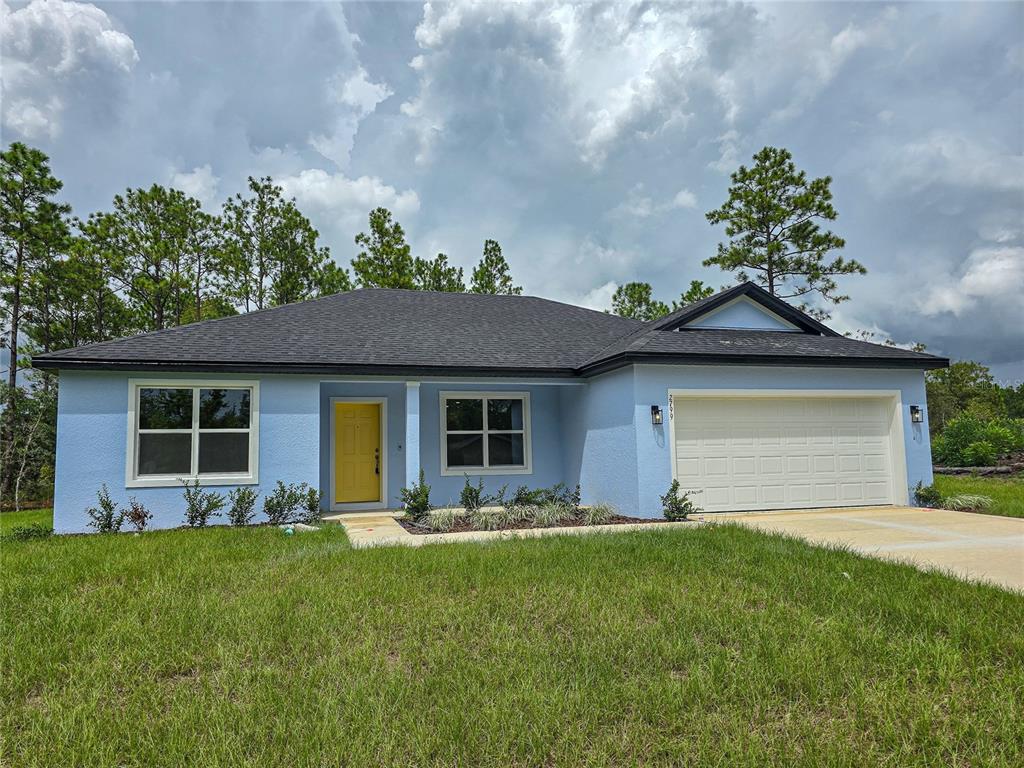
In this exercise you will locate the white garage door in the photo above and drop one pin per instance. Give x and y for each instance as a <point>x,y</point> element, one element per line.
<point>784,452</point>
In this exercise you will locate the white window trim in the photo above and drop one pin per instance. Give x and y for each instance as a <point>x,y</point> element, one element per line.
<point>447,471</point>
<point>132,480</point>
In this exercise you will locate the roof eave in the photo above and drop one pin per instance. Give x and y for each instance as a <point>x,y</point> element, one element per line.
<point>816,361</point>
<point>164,366</point>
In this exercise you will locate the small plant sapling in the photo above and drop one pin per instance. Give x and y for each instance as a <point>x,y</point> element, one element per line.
<point>416,499</point>
<point>201,505</point>
<point>105,518</point>
<point>472,496</point>
<point>281,504</point>
<point>927,495</point>
<point>310,508</point>
<point>242,507</point>
<point>677,506</point>
<point>137,514</point>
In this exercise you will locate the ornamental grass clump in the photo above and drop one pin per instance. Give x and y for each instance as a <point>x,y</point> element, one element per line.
<point>441,520</point>
<point>598,514</point>
<point>201,505</point>
<point>549,514</point>
<point>968,502</point>
<point>515,514</point>
<point>484,519</point>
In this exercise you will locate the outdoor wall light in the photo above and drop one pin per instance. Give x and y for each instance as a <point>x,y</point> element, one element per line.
<point>656,415</point>
<point>916,414</point>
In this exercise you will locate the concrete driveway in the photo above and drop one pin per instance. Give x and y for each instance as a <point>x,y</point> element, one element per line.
<point>969,545</point>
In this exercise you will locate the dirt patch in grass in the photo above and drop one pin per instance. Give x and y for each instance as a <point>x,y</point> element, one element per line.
<point>462,525</point>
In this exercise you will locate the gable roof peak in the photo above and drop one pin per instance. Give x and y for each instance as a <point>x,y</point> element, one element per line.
<point>685,315</point>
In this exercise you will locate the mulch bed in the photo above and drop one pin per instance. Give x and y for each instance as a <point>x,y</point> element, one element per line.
<point>462,525</point>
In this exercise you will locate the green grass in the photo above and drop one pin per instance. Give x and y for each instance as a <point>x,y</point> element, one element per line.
<point>1007,492</point>
<point>709,646</point>
<point>10,520</point>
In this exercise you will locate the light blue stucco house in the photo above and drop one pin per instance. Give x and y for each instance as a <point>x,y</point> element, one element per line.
<point>744,399</point>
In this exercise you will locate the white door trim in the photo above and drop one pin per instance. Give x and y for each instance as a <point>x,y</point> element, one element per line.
<point>383,502</point>
<point>897,445</point>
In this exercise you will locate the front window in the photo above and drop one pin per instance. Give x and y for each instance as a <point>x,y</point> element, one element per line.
<point>182,430</point>
<point>485,433</point>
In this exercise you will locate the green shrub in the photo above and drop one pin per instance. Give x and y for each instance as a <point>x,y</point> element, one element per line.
<point>281,504</point>
<point>952,447</point>
<point>201,505</point>
<point>1001,437</point>
<point>472,496</point>
<point>525,497</point>
<point>968,502</point>
<point>677,507</point>
<point>310,504</point>
<point>927,495</point>
<point>597,514</point>
<point>243,505</point>
<point>561,494</point>
<point>979,454</point>
<point>137,514</point>
<point>105,518</point>
<point>28,532</point>
<point>498,499</point>
<point>416,499</point>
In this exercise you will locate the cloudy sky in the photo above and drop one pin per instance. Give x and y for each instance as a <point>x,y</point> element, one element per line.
<point>588,139</point>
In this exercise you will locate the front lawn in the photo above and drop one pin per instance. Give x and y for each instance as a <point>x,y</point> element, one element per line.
<point>1007,492</point>
<point>713,645</point>
<point>12,519</point>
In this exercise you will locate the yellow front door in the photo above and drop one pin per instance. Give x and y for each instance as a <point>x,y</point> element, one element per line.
<point>357,452</point>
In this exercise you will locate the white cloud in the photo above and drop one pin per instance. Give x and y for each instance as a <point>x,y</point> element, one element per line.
<point>48,46</point>
<point>639,205</point>
<point>946,157</point>
<point>346,200</point>
<point>600,297</point>
<point>200,183</point>
<point>988,275</point>
<point>354,97</point>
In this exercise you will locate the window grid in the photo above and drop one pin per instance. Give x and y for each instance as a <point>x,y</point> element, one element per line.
<point>524,399</point>
<point>195,431</point>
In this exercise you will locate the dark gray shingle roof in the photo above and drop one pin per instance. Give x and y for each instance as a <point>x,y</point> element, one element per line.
<point>374,328</point>
<point>707,345</point>
<point>395,331</point>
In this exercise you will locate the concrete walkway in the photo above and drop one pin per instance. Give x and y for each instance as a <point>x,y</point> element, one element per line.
<point>972,546</point>
<point>375,529</point>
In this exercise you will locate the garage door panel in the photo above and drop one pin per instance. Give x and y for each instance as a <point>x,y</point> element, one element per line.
<point>824,464</point>
<point>744,465</point>
<point>764,453</point>
<point>850,464</point>
<point>798,465</point>
<point>875,462</point>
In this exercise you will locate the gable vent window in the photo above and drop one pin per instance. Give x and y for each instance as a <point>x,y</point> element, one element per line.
<point>181,430</point>
<point>485,433</point>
